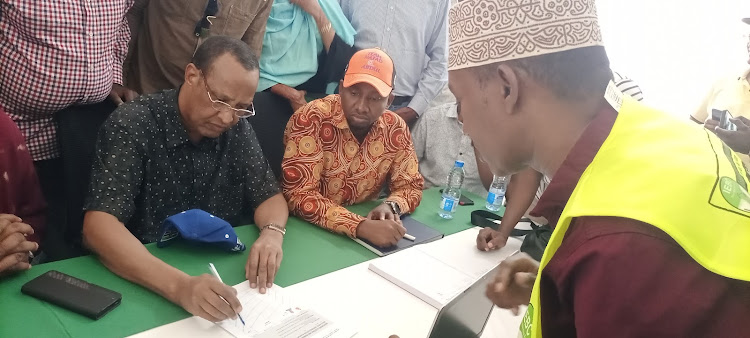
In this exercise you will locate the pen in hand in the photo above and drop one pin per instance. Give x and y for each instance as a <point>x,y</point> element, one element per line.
<point>406,236</point>
<point>216,274</point>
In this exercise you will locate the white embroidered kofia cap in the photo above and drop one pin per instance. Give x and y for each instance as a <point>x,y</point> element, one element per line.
<point>488,31</point>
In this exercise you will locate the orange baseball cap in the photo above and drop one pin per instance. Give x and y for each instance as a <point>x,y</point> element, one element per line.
<point>372,66</point>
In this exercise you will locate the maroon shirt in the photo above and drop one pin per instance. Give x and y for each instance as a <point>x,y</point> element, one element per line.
<point>20,193</point>
<point>618,277</point>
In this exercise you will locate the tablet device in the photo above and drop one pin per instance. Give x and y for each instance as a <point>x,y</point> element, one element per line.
<point>467,314</point>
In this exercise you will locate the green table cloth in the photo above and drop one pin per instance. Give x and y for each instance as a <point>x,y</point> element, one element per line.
<point>309,252</point>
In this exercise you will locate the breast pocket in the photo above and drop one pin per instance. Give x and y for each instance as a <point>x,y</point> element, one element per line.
<point>237,17</point>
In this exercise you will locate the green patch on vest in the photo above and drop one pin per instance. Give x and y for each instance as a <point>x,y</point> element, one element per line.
<point>527,321</point>
<point>734,194</point>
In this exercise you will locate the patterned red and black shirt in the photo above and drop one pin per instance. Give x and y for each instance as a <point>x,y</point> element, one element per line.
<point>54,54</point>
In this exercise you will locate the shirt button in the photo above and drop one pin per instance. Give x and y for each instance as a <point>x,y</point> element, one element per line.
<point>388,29</point>
<point>91,34</point>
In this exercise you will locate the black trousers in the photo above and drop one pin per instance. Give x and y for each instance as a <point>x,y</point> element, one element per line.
<point>269,123</point>
<point>50,175</point>
<point>65,180</point>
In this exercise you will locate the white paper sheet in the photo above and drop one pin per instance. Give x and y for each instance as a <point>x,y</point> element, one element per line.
<point>276,314</point>
<point>306,324</point>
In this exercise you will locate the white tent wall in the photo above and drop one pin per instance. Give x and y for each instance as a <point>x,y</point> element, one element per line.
<point>675,49</point>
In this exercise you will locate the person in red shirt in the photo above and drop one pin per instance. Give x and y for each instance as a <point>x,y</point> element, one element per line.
<point>536,99</point>
<point>22,207</point>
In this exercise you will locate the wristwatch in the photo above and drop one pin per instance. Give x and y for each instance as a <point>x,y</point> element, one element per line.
<point>394,207</point>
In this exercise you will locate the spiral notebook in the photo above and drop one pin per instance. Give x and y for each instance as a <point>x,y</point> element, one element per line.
<point>438,271</point>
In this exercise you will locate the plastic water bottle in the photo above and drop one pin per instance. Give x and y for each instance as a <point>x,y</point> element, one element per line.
<point>452,192</point>
<point>497,193</point>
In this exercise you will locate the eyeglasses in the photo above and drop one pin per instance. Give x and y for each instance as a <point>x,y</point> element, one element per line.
<point>223,106</point>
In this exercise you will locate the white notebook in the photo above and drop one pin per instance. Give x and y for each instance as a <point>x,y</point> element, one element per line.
<point>436,272</point>
<point>277,315</point>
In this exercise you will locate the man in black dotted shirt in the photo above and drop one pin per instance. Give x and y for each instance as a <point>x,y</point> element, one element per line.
<point>189,148</point>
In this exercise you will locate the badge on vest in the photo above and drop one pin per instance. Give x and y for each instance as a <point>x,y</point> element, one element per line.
<point>526,322</point>
<point>734,194</point>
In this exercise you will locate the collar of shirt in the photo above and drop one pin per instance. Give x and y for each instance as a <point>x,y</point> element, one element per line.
<point>451,111</point>
<point>554,199</point>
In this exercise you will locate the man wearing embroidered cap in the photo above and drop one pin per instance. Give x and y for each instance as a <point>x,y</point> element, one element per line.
<point>651,215</point>
<point>342,149</point>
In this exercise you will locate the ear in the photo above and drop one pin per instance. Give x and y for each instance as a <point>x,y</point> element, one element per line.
<point>391,97</point>
<point>192,75</point>
<point>510,86</point>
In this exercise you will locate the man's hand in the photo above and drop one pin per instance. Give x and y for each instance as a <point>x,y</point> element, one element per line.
<point>14,248</point>
<point>264,260</point>
<point>738,140</point>
<point>382,212</point>
<point>199,295</point>
<point>310,6</point>
<point>513,282</point>
<point>8,219</point>
<point>297,99</point>
<point>408,114</point>
<point>710,124</point>
<point>383,233</point>
<point>120,94</point>
<point>490,239</point>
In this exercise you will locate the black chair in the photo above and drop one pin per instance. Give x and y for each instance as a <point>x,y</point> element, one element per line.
<point>78,127</point>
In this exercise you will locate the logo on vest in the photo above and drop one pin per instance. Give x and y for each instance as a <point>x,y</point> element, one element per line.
<point>734,194</point>
<point>528,319</point>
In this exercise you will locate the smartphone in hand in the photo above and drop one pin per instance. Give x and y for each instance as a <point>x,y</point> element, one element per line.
<point>723,117</point>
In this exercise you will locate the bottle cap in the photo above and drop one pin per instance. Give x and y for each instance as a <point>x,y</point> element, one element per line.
<point>460,164</point>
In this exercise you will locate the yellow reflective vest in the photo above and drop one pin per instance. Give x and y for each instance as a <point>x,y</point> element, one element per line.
<point>671,174</point>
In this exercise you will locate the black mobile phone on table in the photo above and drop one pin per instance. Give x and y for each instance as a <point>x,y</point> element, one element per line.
<point>71,293</point>
<point>463,200</point>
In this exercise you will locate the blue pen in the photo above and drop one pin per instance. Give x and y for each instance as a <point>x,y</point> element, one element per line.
<point>216,274</point>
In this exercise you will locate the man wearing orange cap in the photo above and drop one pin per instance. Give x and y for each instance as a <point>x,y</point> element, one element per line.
<point>341,149</point>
